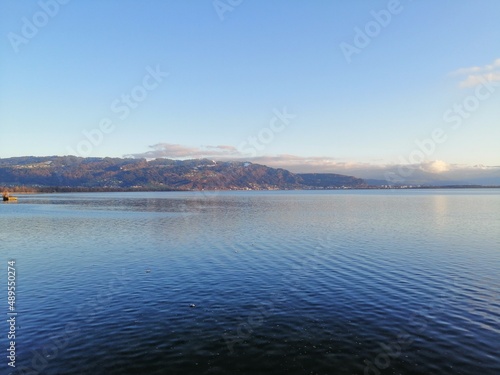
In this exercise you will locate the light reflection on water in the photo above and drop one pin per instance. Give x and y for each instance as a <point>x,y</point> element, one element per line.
<point>282,282</point>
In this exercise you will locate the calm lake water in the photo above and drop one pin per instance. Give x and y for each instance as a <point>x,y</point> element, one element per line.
<point>339,282</point>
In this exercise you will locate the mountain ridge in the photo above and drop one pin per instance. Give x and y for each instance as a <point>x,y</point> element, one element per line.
<point>71,172</point>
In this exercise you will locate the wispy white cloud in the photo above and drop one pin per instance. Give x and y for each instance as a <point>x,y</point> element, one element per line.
<point>478,75</point>
<point>477,69</point>
<point>474,80</point>
<point>176,151</point>
<point>230,149</point>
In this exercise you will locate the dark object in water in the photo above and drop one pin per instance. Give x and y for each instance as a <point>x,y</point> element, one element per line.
<point>7,198</point>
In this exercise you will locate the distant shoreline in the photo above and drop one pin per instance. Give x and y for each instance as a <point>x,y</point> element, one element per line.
<point>51,190</point>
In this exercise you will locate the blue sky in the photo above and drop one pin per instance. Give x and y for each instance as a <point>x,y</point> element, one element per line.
<point>232,68</point>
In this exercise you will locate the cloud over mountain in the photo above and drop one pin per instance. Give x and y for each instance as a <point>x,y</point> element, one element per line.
<point>427,172</point>
<point>176,151</point>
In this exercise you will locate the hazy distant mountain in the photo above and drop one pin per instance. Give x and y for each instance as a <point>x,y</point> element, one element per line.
<point>329,180</point>
<point>159,174</point>
<point>469,176</point>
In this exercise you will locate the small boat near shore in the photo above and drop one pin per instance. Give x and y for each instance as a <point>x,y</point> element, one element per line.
<point>7,198</point>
